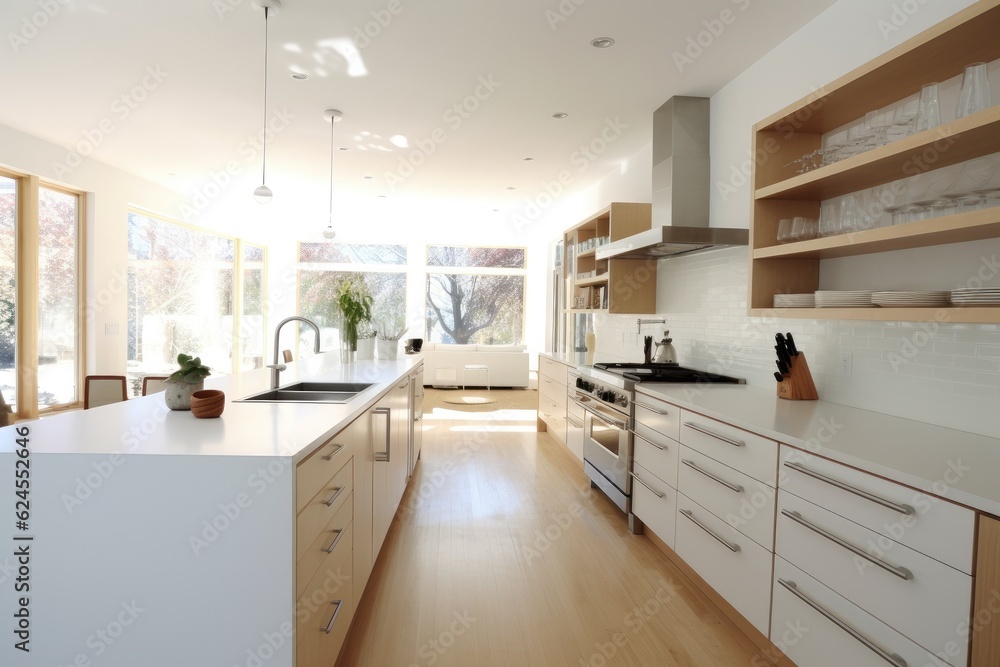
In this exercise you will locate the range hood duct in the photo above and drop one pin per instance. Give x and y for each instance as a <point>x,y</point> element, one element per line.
<point>681,188</point>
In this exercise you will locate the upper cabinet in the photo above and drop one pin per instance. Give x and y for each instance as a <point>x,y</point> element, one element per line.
<point>783,190</point>
<point>609,285</point>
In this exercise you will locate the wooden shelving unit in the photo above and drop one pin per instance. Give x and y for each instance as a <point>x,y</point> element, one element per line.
<point>937,54</point>
<point>629,285</point>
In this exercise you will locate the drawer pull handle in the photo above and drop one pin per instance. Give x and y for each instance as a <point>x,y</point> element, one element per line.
<point>902,509</point>
<point>644,439</point>
<point>694,466</point>
<point>384,457</point>
<point>650,408</point>
<point>337,448</point>
<point>333,619</point>
<point>900,572</point>
<point>717,436</point>
<point>333,545</point>
<point>332,499</point>
<point>891,658</point>
<point>574,421</point>
<point>729,545</point>
<point>651,489</point>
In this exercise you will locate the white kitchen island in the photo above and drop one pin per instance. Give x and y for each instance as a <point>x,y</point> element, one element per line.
<point>158,539</point>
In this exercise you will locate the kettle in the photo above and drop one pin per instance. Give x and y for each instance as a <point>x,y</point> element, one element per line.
<point>665,352</point>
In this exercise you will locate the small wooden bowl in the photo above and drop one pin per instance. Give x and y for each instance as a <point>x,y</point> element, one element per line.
<point>208,403</point>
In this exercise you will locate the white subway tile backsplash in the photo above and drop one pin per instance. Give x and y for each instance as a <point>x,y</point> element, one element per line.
<point>942,373</point>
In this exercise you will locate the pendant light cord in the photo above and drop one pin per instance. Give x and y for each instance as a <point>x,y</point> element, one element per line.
<point>333,123</point>
<point>263,172</point>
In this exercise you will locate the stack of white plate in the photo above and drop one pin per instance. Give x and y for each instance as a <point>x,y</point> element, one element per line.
<point>844,299</point>
<point>795,300</point>
<point>976,297</point>
<point>910,299</point>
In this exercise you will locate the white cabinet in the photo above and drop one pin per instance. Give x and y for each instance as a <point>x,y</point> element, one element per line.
<point>389,444</point>
<point>655,503</point>
<point>747,452</point>
<point>552,398</point>
<point>654,471</point>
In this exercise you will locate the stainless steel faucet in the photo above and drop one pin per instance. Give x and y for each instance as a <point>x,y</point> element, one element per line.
<point>639,322</point>
<point>276,368</point>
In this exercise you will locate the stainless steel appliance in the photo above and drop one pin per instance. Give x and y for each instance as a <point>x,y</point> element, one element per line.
<point>605,393</point>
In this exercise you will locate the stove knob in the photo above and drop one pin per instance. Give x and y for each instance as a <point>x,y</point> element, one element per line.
<point>623,401</point>
<point>580,383</point>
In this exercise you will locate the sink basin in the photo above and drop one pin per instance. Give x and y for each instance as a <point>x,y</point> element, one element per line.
<point>309,392</point>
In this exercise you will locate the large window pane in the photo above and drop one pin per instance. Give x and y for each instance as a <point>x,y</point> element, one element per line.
<point>467,257</point>
<point>483,309</point>
<point>8,274</point>
<point>353,253</point>
<point>180,296</point>
<point>318,300</point>
<point>252,334</point>
<point>58,298</point>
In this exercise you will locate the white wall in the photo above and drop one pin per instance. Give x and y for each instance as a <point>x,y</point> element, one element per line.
<point>946,374</point>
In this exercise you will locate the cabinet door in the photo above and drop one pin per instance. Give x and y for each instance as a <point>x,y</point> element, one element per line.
<point>381,447</point>
<point>400,439</point>
<point>360,439</point>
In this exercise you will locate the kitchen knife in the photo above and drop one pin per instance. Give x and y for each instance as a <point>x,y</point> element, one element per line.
<point>782,366</point>
<point>779,377</point>
<point>783,354</point>
<point>780,339</point>
<point>790,345</point>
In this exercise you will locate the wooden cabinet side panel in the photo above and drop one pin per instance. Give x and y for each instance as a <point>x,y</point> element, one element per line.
<point>360,437</point>
<point>632,286</point>
<point>986,604</point>
<point>781,276</point>
<point>629,218</point>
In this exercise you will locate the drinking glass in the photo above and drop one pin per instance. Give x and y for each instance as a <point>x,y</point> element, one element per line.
<point>975,95</point>
<point>785,230</point>
<point>829,225</point>
<point>928,108</point>
<point>803,228</point>
<point>848,214</point>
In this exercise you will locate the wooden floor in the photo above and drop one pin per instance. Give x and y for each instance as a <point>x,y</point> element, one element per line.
<point>500,554</point>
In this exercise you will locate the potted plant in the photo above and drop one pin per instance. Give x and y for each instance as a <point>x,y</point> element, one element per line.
<point>187,379</point>
<point>355,306</point>
<point>366,340</point>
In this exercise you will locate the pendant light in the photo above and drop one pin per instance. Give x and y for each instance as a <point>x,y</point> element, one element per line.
<point>333,117</point>
<point>263,193</point>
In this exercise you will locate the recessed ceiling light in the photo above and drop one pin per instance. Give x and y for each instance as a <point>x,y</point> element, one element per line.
<point>528,159</point>
<point>368,178</point>
<point>300,76</point>
<point>343,148</point>
<point>560,115</point>
<point>511,187</point>
<point>382,196</point>
<point>602,42</point>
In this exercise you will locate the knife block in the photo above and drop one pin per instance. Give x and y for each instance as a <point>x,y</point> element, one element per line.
<point>798,386</point>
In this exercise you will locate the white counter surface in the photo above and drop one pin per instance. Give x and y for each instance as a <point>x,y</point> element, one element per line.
<point>961,466</point>
<point>145,425</point>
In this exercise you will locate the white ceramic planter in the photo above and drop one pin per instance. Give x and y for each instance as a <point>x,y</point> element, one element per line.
<point>366,348</point>
<point>387,349</point>
<point>178,394</point>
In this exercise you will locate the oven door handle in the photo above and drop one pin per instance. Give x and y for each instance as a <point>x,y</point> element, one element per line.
<point>608,419</point>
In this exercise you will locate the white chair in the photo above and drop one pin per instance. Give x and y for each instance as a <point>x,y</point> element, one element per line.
<point>103,389</point>
<point>475,368</point>
<point>153,384</point>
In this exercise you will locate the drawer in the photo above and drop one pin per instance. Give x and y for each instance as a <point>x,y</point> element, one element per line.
<point>653,414</point>
<point>932,526</point>
<point>553,370</point>
<point>329,540</point>
<point>321,509</point>
<point>811,623</point>
<point>552,390</point>
<point>657,453</point>
<point>747,452</point>
<point>316,470</point>
<point>740,500</point>
<point>655,503</point>
<point>323,613</point>
<point>920,597</point>
<point>737,568</point>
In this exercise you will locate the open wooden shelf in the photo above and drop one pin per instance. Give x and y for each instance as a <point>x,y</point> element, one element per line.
<point>587,253</point>
<point>971,226</point>
<point>937,54</point>
<point>945,314</point>
<point>596,280</point>
<point>961,140</point>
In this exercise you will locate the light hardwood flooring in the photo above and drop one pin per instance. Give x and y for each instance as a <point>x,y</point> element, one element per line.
<point>500,554</point>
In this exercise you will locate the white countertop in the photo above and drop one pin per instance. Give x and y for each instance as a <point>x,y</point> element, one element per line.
<point>145,425</point>
<point>963,467</point>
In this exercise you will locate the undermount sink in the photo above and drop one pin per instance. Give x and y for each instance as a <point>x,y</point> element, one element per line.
<point>309,392</point>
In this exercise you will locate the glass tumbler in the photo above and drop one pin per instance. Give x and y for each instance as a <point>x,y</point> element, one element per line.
<point>975,95</point>
<point>929,108</point>
<point>785,230</point>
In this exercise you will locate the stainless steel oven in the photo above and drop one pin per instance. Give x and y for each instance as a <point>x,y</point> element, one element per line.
<point>607,448</point>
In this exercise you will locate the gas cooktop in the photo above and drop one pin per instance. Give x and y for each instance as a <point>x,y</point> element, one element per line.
<point>665,372</point>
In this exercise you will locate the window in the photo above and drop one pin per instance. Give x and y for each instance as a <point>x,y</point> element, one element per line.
<point>182,294</point>
<point>40,313</point>
<point>481,300</point>
<point>324,266</point>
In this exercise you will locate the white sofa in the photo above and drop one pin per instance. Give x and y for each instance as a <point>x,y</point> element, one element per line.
<point>445,365</point>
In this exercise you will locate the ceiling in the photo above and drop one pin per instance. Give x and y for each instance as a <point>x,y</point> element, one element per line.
<point>173,91</point>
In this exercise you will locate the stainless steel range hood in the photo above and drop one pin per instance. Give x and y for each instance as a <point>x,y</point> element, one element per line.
<point>681,188</point>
